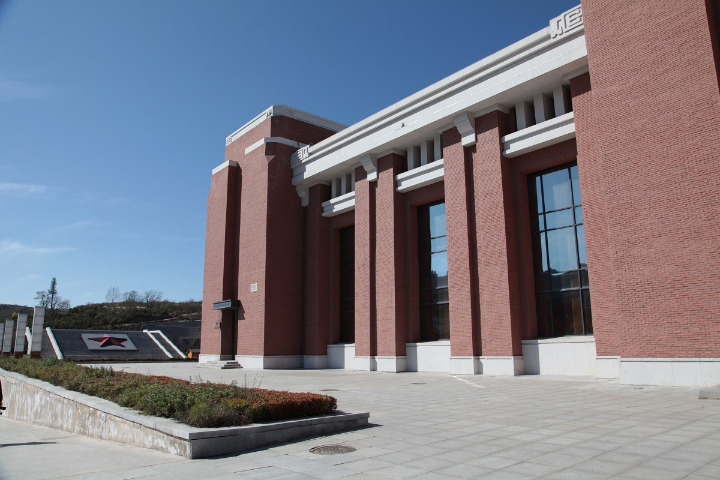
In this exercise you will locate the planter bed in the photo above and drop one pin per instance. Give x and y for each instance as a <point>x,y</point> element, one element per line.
<point>39,402</point>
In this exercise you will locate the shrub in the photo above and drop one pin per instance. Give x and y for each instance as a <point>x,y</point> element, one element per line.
<point>196,404</point>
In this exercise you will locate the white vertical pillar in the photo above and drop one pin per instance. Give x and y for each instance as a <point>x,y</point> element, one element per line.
<point>543,108</point>
<point>437,146</point>
<point>413,157</point>
<point>334,188</point>
<point>352,180</point>
<point>343,185</point>
<point>524,115</point>
<point>20,334</point>
<point>8,336</point>
<point>35,346</point>
<point>2,335</point>
<point>426,152</point>
<point>561,99</point>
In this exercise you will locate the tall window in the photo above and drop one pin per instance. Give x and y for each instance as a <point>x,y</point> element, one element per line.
<point>347,285</point>
<point>561,279</point>
<point>432,248</point>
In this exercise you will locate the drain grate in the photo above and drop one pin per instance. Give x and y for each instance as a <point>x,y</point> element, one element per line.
<point>329,390</point>
<point>332,449</point>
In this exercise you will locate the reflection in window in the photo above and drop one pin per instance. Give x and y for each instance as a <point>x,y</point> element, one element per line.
<point>347,285</point>
<point>432,248</point>
<point>561,282</point>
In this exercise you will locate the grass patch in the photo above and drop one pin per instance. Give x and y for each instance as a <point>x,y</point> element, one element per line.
<point>196,404</point>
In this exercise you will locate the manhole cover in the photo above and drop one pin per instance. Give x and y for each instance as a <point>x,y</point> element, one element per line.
<point>331,449</point>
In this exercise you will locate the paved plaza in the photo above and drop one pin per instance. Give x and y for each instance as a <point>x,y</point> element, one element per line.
<point>423,426</point>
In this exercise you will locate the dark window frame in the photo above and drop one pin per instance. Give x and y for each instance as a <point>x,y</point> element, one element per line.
<point>346,291</point>
<point>434,299</point>
<point>556,290</point>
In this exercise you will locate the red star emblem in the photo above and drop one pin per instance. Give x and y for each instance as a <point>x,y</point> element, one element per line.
<point>108,341</point>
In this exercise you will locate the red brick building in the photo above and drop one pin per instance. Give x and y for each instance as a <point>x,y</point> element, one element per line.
<point>553,208</point>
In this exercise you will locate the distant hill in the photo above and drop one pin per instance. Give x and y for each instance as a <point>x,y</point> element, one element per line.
<point>114,316</point>
<point>6,310</point>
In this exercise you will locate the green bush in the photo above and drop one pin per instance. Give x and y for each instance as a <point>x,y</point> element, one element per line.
<point>196,404</point>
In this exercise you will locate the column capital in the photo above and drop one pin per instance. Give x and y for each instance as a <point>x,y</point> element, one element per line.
<point>466,126</point>
<point>369,163</point>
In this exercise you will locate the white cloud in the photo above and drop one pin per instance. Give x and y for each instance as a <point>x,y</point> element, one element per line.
<point>85,224</point>
<point>10,248</point>
<point>22,190</point>
<point>18,89</point>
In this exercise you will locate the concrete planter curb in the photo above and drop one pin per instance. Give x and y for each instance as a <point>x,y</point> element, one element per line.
<point>39,402</point>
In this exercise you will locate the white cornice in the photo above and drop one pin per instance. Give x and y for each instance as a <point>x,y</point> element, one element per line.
<point>263,141</point>
<point>539,136</point>
<point>537,62</point>
<point>336,206</point>
<point>286,111</point>
<point>229,163</point>
<point>428,174</point>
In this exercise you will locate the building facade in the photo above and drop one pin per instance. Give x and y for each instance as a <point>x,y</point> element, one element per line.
<point>551,209</point>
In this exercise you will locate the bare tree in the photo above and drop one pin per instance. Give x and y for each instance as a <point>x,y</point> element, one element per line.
<point>131,297</point>
<point>113,295</point>
<point>150,297</point>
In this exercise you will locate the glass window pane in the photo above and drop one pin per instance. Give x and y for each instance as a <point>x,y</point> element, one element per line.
<point>438,244</point>
<point>584,278</point>
<point>578,215</point>
<point>563,281</point>
<point>563,218</point>
<point>544,316</point>
<point>543,252</point>
<point>567,316</point>
<point>575,185</point>
<point>538,192</point>
<point>441,322</point>
<point>442,295</point>
<point>562,249</point>
<point>437,220</point>
<point>424,272</point>
<point>587,312</point>
<point>439,268</point>
<point>581,246</point>
<point>556,190</point>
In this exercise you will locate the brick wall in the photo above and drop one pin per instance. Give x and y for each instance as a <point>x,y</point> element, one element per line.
<point>650,175</point>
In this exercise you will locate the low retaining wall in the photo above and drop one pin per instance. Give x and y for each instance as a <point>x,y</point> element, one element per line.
<point>35,401</point>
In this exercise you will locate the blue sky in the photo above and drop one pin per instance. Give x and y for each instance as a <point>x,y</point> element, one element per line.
<point>114,113</point>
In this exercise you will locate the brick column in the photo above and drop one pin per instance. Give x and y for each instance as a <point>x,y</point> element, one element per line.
<point>220,261</point>
<point>500,322</point>
<point>390,267</point>
<point>462,283</point>
<point>365,333</point>
<point>317,280</point>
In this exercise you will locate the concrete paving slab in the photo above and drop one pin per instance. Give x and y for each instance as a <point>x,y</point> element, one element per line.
<point>579,428</point>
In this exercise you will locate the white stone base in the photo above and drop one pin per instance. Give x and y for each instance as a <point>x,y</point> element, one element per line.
<point>681,372</point>
<point>315,361</point>
<point>571,355</point>
<point>428,356</point>
<point>391,364</point>
<point>501,365</point>
<point>367,364</point>
<point>464,365</point>
<point>208,357</point>
<point>278,362</point>
<point>607,367</point>
<point>341,355</point>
